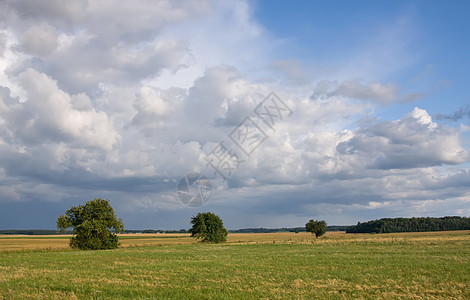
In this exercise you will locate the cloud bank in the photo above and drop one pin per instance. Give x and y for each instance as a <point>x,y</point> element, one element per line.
<point>121,100</point>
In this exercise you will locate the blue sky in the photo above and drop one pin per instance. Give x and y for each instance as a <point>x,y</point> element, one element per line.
<point>427,41</point>
<point>122,100</point>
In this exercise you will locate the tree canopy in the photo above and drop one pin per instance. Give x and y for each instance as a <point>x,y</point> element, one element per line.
<point>318,228</point>
<point>389,225</point>
<point>94,225</point>
<point>208,228</point>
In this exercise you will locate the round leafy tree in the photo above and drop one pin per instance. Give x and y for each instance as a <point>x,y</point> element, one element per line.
<point>208,228</point>
<point>94,225</point>
<point>318,228</point>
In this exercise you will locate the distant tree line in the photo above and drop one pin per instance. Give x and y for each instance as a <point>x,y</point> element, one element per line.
<point>265,230</point>
<point>32,232</point>
<point>337,228</point>
<point>285,229</point>
<point>154,231</point>
<point>389,225</point>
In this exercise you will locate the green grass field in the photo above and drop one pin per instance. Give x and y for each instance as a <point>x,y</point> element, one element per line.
<point>249,266</point>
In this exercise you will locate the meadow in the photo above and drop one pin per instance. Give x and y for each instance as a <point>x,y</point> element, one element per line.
<point>432,265</point>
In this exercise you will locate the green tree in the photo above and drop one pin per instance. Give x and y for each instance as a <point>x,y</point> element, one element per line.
<point>94,225</point>
<point>208,228</point>
<point>318,228</point>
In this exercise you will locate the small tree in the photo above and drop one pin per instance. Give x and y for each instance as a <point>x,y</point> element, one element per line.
<point>318,228</point>
<point>208,228</point>
<point>94,225</point>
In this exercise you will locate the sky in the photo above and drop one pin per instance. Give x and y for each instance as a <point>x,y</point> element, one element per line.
<point>278,111</point>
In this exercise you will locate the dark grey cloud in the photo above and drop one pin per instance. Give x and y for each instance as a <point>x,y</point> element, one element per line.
<point>461,113</point>
<point>373,91</point>
<point>49,9</point>
<point>367,91</point>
